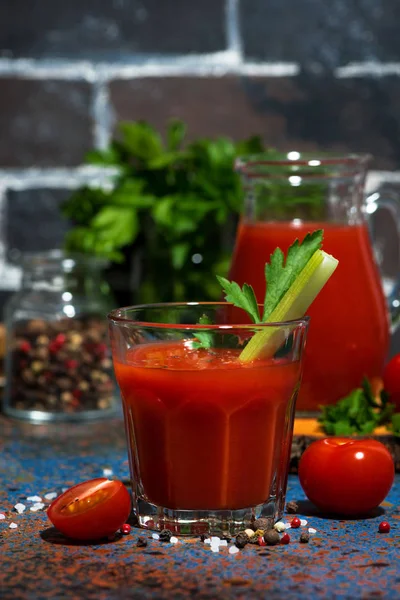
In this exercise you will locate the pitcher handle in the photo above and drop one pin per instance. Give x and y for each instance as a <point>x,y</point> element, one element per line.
<point>387,247</point>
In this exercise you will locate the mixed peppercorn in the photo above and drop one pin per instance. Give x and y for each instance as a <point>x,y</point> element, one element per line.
<point>61,366</point>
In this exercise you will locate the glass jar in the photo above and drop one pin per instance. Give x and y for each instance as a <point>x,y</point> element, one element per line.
<point>58,364</point>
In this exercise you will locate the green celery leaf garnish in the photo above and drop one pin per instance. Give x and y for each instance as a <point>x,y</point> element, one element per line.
<point>241,297</point>
<point>281,274</point>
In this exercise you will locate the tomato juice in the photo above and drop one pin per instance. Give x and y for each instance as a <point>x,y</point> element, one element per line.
<point>348,335</point>
<point>205,431</point>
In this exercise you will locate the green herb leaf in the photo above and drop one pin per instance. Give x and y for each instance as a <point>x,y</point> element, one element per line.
<point>358,412</point>
<point>117,224</point>
<point>394,425</point>
<point>175,134</point>
<point>205,339</point>
<point>241,297</point>
<point>141,139</point>
<point>280,274</point>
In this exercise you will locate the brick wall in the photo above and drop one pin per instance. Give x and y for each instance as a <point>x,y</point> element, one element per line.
<point>306,75</point>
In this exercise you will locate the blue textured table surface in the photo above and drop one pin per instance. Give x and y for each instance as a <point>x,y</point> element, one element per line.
<point>344,559</point>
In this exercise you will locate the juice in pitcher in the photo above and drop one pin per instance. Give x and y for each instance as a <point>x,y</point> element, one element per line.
<point>348,334</point>
<point>349,328</point>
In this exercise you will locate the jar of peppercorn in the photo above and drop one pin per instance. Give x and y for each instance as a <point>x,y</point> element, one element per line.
<point>58,364</point>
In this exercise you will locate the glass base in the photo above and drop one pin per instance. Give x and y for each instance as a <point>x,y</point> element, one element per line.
<point>210,522</point>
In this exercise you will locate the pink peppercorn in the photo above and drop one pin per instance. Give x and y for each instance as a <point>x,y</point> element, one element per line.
<point>285,539</point>
<point>125,529</point>
<point>261,541</point>
<point>384,527</point>
<point>295,523</point>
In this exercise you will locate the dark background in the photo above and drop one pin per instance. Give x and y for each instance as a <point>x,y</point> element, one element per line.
<point>305,74</point>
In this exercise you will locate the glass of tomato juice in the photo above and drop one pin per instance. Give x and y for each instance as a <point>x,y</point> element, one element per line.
<point>208,435</point>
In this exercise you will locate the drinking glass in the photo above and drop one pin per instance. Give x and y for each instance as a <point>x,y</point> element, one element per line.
<point>208,434</point>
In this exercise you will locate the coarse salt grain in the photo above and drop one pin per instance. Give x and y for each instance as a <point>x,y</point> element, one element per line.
<point>37,506</point>
<point>155,536</point>
<point>223,543</point>
<point>287,526</point>
<point>214,548</point>
<point>233,550</point>
<point>174,540</point>
<point>107,472</point>
<point>2,516</point>
<point>13,526</point>
<point>51,495</point>
<point>311,530</point>
<point>34,499</point>
<point>19,507</point>
<point>280,526</point>
<point>207,541</point>
<point>215,540</point>
<point>303,522</point>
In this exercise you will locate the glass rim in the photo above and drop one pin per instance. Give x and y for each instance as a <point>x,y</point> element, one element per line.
<point>118,319</point>
<point>350,164</point>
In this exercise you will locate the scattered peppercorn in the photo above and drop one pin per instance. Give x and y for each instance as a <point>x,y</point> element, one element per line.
<point>272,537</point>
<point>384,527</point>
<point>304,537</point>
<point>285,539</point>
<point>242,539</point>
<point>292,507</point>
<point>25,346</point>
<point>261,523</point>
<point>256,535</point>
<point>203,537</point>
<point>165,535</point>
<point>249,532</point>
<point>125,529</point>
<point>141,542</point>
<point>295,523</point>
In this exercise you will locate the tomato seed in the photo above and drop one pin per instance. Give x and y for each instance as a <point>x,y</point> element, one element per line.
<point>384,527</point>
<point>295,523</point>
<point>285,539</point>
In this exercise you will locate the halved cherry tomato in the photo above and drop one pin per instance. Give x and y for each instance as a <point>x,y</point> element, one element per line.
<point>391,380</point>
<point>346,476</point>
<point>91,510</point>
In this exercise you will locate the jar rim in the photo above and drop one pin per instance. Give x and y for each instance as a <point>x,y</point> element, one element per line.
<point>61,259</point>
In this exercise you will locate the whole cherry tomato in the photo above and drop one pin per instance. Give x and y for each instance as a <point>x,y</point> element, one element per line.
<point>346,476</point>
<point>391,380</point>
<point>91,510</point>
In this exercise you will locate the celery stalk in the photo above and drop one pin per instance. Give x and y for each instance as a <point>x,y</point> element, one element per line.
<point>293,305</point>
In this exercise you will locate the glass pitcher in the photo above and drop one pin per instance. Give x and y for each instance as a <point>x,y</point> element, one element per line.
<point>350,325</point>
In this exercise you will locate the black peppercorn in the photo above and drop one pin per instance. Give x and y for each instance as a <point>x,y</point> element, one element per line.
<point>304,538</point>
<point>242,539</point>
<point>292,507</point>
<point>141,542</point>
<point>165,535</point>
<point>272,537</point>
<point>261,523</point>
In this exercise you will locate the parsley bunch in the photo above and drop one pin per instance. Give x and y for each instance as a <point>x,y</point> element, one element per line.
<point>173,204</point>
